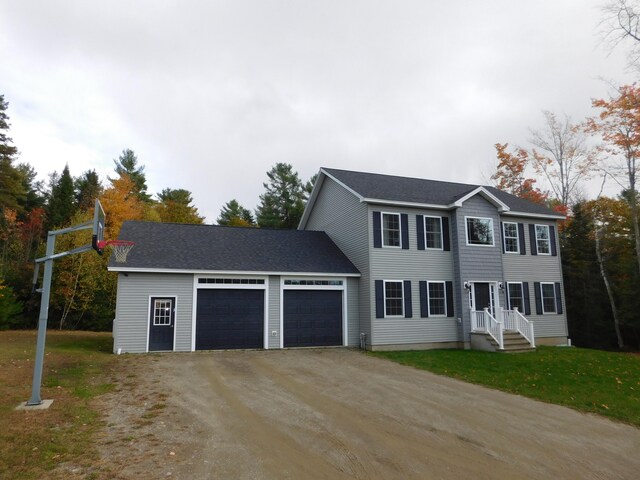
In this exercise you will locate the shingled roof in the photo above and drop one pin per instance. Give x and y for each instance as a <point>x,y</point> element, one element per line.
<point>173,246</point>
<point>374,186</point>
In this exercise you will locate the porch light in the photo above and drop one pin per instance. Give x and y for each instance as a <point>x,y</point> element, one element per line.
<point>467,285</point>
<point>501,285</point>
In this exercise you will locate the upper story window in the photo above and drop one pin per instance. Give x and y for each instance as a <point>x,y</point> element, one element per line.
<point>479,231</point>
<point>543,240</point>
<point>511,240</point>
<point>433,232</point>
<point>393,299</point>
<point>391,230</point>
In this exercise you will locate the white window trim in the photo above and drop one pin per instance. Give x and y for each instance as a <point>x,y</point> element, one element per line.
<point>382,214</point>
<point>384,297</point>
<point>555,301</point>
<point>466,228</point>
<point>521,291</point>
<point>444,284</point>
<point>424,227</point>
<point>504,237</point>
<point>535,228</point>
<point>155,308</point>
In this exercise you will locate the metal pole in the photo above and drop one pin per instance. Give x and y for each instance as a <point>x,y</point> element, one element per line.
<point>42,322</point>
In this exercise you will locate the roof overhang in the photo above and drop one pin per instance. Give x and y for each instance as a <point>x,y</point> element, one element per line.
<point>125,269</point>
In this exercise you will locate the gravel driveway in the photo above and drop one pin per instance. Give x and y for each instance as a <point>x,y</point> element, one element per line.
<point>337,413</point>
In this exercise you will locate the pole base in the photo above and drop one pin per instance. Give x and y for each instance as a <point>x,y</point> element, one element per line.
<point>45,404</point>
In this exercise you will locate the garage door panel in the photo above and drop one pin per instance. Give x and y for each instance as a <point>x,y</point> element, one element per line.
<point>312,318</point>
<point>228,318</point>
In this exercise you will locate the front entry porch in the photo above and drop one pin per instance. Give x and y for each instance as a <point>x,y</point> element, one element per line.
<point>492,327</point>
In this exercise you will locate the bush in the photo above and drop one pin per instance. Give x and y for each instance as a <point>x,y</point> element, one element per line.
<point>10,308</point>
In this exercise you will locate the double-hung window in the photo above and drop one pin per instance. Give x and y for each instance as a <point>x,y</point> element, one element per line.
<point>543,240</point>
<point>516,296</point>
<point>393,299</point>
<point>391,230</point>
<point>511,240</point>
<point>479,231</point>
<point>437,299</point>
<point>433,232</point>
<point>548,295</point>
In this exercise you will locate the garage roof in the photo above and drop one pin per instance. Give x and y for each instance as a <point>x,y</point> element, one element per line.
<point>174,246</point>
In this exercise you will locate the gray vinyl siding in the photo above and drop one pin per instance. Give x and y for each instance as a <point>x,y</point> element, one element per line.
<point>353,326</point>
<point>274,312</point>
<point>537,268</point>
<point>413,265</point>
<point>474,262</point>
<point>344,218</point>
<point>132,309</point>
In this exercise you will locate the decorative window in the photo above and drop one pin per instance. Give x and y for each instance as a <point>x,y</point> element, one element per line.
<point>162,312</point>
<point>433,232</point>
<point>393,299</point>
<point>237,281</point>
<point>548,294</point>
<point>516,296</point>
<point>511,240</point>
<point>480,231</point>
<point>543,240</point>
<point>313,282</point>
<point>437,299</point>
<point>391,230</point>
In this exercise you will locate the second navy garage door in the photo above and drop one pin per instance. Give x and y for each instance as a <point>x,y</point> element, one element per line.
<point>228,318</point>
<point>312,318</point>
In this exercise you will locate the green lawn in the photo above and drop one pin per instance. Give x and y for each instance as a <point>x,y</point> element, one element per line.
<point>588,380</point>
<point>76,370</point>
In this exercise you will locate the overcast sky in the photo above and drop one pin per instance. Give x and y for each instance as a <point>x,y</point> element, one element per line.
<point>211,94</point>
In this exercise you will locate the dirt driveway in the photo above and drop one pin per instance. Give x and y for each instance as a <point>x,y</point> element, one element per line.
<point>337,413</point>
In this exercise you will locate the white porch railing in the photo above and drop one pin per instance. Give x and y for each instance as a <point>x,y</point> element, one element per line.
<point>483,321</point>
<point>514,320</point>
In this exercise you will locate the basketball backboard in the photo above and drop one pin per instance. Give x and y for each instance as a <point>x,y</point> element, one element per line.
<point>97,238</point>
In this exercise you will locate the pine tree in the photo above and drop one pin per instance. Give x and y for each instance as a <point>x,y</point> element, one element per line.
<point>282,204</point>
<point>87,188</point>
<point>127,164</point>
<point>12,191</point>
<point>235,215</point>
<point>176,206</point>
<point>61,204</point>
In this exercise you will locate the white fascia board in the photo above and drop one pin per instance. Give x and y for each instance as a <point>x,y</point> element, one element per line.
<point>502,207</point>
<point>349,189</point>
<point>535,215</point>
<point>228,272</point>
<point>379,201</point>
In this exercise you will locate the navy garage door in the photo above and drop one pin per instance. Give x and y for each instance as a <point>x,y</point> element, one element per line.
<point>227,318</point>
<point>312,318</point>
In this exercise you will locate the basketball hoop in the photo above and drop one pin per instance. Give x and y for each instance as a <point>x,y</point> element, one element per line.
<point>120,248</point>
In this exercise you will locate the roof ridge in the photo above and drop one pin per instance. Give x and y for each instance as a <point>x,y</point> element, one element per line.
<point>230,227</point>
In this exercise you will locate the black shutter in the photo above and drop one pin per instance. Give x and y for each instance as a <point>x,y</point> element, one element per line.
<point>532,238</point>
<point>502,236</point>
<point>558,298</point>
<point>507,300</point>
<point>404,227</point>
<point>379,299</point>
<point>377,230</point>
<point>527,302</point>
<point>523,244</point>
<point>424,307</point>
<point>408,310</point>
<point>449,289</point>
<point>420,230</point>
<point>445,234</point>
<point>552,239</point>
<point>538,294</point>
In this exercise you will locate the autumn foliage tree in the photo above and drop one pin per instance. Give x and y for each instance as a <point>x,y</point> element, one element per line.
<point>511,176</point>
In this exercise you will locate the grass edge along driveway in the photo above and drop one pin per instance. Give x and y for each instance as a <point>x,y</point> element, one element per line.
<point>593,381</point>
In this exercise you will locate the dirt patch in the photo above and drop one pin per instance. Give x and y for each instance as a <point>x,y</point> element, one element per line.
<point>340,414</point>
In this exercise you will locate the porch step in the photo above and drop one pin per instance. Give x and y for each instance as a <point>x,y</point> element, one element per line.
<point>513,343</point>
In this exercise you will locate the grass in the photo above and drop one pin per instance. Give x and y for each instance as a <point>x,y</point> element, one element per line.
<point>587,380</point>
<point>76,369</point>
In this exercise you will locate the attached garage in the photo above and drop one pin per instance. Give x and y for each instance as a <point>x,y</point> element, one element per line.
<point>228,318</point>
<point>312,318</point>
